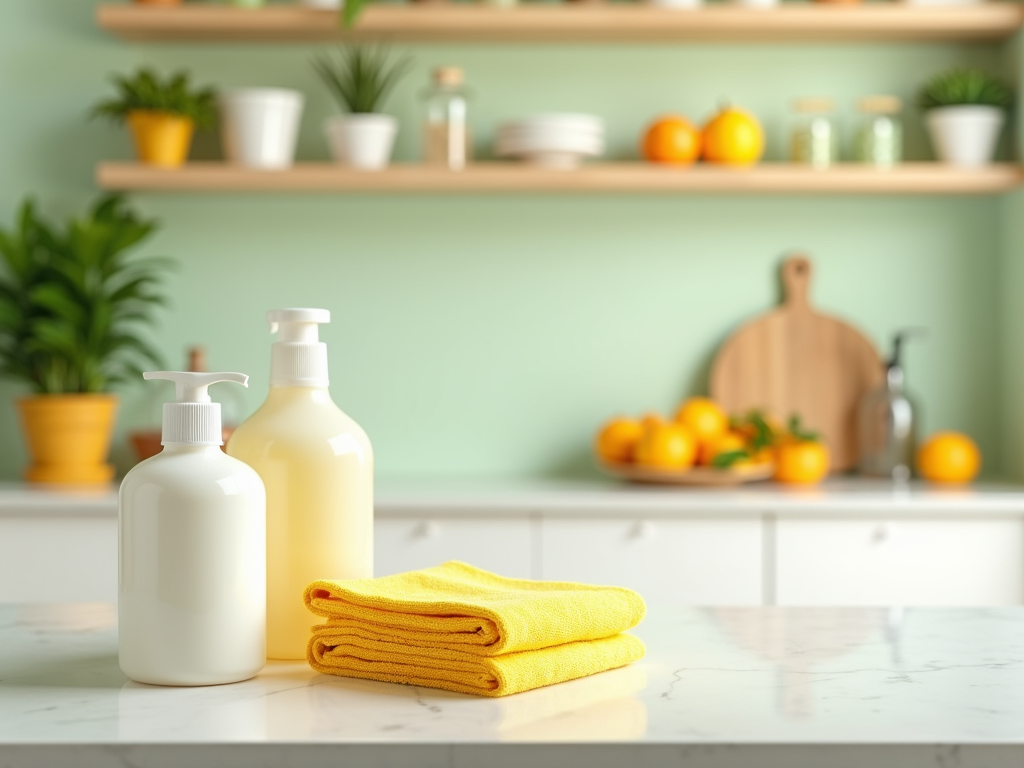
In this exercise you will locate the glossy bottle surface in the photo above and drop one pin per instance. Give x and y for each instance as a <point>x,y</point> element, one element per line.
<point>317,466</point>
<point>192,569</point>
<point>887,430</point>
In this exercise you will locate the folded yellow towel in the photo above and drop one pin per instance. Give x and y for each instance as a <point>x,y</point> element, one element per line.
<point>458,606</point>
<point>334,651</point>
<point>463,629</point>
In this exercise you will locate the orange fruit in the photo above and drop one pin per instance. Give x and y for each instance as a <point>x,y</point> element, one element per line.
<point>652,420</point>
<point>733,137</point>
<point>666,446</point>
<point>801,461</point>
<point>723,443</point>
<point>703,417</point>
<point>949,457</point>
<point>617,439</point>
<point>671,139</point>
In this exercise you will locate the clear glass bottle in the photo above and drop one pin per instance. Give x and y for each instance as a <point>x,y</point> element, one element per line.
<point>880,131</point>
<point>446,138</point>
<point>815,137</point>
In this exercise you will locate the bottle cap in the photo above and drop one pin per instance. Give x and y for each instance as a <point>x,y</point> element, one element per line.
<point>813,105</point>
<point>193,419</point>
<point>298,358</point>
<point>880,105</point>
<point>450,76</point>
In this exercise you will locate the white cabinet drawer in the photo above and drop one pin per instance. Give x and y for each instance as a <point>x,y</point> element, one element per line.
<point>498,544</point>
<point>900,562</point>
<point>58,560</point>
<point>692,562</point>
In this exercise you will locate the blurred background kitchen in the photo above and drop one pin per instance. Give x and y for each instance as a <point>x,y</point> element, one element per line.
<point>481,339</point>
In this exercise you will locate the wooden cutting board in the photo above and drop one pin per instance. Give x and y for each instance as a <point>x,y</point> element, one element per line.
<point>795,360</point>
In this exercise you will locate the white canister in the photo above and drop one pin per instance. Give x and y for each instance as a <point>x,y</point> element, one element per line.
<point>965,135</point>
<point>362,140</point>
<point>260,126</point>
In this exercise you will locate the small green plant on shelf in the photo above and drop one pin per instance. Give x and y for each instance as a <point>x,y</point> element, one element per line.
<point>965,87</point>
<point>73,299</point>
<point>145,91</point>
<point>360,78</point>
<point>162,114</point>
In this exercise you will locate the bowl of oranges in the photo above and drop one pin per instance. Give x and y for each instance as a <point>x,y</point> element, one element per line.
<point>702,445</point>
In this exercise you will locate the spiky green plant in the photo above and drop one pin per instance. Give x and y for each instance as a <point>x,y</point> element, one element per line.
<point>963,87</point>
<point>72,299</point>
<point>360,78</point>
<point>146,91</point>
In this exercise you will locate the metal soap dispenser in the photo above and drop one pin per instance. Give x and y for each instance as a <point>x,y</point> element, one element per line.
<point>886,422</point>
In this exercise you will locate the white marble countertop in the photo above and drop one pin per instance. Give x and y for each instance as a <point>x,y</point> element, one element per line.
<point>725,687</point>
<point>451,497</point>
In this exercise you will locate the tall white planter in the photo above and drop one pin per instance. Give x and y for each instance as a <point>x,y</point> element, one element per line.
<point>260,126</point>
<point>965,135</point>
<point>361,140</point>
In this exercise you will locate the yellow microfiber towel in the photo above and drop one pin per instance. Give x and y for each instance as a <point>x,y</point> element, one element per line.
<point>464,629</point>
<point>335,652</point>
<point>458,606</point>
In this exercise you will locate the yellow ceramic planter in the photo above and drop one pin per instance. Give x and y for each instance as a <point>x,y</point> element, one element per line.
<point>68,437</point>
<point>160,138</point>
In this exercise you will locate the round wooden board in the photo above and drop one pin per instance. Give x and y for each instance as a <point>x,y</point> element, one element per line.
<point>705,476</point>
<point>795,360</point>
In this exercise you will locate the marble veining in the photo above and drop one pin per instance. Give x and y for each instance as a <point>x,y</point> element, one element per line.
<point>713,676</point>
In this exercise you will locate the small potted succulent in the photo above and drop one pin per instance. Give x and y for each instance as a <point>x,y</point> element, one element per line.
<point>965,110</point>
<point>162,115</point>
<point>360,79</point>
<point>72,301</point>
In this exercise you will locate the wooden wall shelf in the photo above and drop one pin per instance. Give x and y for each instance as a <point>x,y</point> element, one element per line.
<point>566,23</point>
<point>908,179</point>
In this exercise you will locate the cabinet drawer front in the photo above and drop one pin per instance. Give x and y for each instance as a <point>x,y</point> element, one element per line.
<point>58,560</point>
<point>694,562</point>
<point>900,562</point>
<point>501,545</point>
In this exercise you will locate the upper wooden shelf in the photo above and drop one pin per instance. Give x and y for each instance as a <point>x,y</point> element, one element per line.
<point>767,178</point>
<point>565,23</point>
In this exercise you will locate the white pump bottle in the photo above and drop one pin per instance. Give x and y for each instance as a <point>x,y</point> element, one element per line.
<point>192,551</point>
<point>317,465</point>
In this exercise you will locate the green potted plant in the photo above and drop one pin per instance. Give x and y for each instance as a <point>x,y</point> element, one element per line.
<point>964,111</point>
<point>71,302</point>
<point>360,79</point>
<point>162,114</point>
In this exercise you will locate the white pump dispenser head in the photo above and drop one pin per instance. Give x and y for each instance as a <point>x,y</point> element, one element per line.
<point>194,419</point>
<point>298,358</point>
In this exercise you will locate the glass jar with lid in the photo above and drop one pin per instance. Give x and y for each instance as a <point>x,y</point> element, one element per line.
<point>879,138</point>
<point>446,139</point>
<point>815,137</point>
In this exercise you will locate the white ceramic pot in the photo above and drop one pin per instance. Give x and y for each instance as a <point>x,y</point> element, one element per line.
<point>756,3</point>
<point>260,126</point>
<point>324,5</point>
<point>361,140</point>
<point>965,135</point>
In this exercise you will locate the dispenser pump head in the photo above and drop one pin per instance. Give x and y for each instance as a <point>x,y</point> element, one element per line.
<point>193,419</point>
<point>298,358</point>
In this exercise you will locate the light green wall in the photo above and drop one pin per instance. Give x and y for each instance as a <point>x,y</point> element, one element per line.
<point>489,335</point>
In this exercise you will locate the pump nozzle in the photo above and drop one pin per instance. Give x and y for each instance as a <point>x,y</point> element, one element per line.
<point>298,358</point>
<point>193,419</point>
<point>299,326</point>
<point>898,340</point>
<point>193,387</point>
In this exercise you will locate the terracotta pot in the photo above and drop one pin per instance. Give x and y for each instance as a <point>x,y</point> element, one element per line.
<point>157,2</point>
<point>161,138</point>
<point>68,437</point>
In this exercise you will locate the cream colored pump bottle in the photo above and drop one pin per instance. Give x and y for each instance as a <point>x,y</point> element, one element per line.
<point>191,551</point>
<point>317,466</point>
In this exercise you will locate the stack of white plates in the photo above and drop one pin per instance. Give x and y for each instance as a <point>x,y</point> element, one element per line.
<point>555,141</point>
